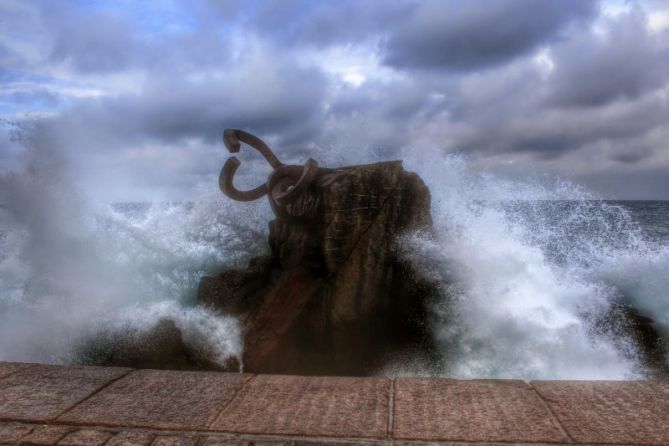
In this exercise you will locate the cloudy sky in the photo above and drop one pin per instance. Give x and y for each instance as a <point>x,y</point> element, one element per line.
<point>136,94</point>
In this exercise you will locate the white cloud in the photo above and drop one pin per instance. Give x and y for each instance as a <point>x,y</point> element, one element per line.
<point>352,64</point>
<point>658,21</point>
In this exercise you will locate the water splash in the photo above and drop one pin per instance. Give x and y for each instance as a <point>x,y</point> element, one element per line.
<point>70,270</point>
<point>526,270</point>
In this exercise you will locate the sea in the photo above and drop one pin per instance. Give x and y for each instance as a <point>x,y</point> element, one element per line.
<point>524,269</point>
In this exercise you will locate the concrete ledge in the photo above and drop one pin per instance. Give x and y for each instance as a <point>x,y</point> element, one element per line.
<point>47,405</point>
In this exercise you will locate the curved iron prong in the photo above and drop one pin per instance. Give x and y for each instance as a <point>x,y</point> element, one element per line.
<point>306,177</point>
<point>277,180</point>
<point>228,188</point>
<point>232,138</point>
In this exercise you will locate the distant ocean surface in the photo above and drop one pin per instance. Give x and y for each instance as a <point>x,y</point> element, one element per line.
<point>524,275</point>
<point>651,216</point>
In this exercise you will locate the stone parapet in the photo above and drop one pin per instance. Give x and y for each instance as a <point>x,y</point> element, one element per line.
<point>48,405</point>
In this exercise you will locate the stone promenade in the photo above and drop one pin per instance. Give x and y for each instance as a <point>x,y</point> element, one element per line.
<point>46,404</point>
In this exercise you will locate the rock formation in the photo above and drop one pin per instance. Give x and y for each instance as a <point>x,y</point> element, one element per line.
<point>637,336</point>
<point>161,347</point>
<point>334,296</point>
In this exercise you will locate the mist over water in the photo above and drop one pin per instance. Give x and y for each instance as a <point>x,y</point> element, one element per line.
<point>70,269</point>
<point>524,271</point>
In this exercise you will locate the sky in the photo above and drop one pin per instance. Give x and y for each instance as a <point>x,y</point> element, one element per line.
<point>135,95</point>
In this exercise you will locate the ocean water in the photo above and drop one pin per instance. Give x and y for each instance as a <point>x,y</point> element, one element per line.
<point>524,270</point>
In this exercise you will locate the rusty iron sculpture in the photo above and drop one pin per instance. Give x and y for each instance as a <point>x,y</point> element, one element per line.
<point>285,184</point>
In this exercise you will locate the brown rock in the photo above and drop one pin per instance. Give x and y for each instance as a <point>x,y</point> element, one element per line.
<point>624,325</point>
<point>335,297</point>
<point>236,291</point>
<point>161,347</point>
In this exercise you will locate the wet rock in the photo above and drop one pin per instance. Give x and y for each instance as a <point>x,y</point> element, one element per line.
<point>235,292</point>
<point>629,328</point>
<point>334,296</point>
<point>161,347</point>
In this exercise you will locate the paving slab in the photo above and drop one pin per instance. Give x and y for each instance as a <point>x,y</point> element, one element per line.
<point>163,399</point>
<point>10,433</point>
<point>471,411</point>
<point>314,406</point>
<point>215,441</point>
<point>174,440</point>
<point>292,443</point>
<point>329,442</point>
<point>86,437</point>
<point>7,368</point>
<point>45,435</point>
<point>613,412</point>
<point>42,392</point>
<point>131,438</point>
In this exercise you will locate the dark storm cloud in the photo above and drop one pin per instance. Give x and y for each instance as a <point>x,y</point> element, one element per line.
<point>306,22</point>
<point>8,147</point>
<point>380,118</point>
<point>195,83</point>
<point>392,101</point>
<point>165,130</point>
<point>630,157</point>
<point>552,133</point>
<point>462,36</point>
<point>90,41</point>
<point>172,109</point>
<point>104,41</point>
<point>630,184</point>
<point>626,62</point>
<point>604,87</point>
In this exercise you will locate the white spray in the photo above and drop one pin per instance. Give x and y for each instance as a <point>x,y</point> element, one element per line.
<point>522,281</point>
<point>70,270</point>
<point>520,284</point>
